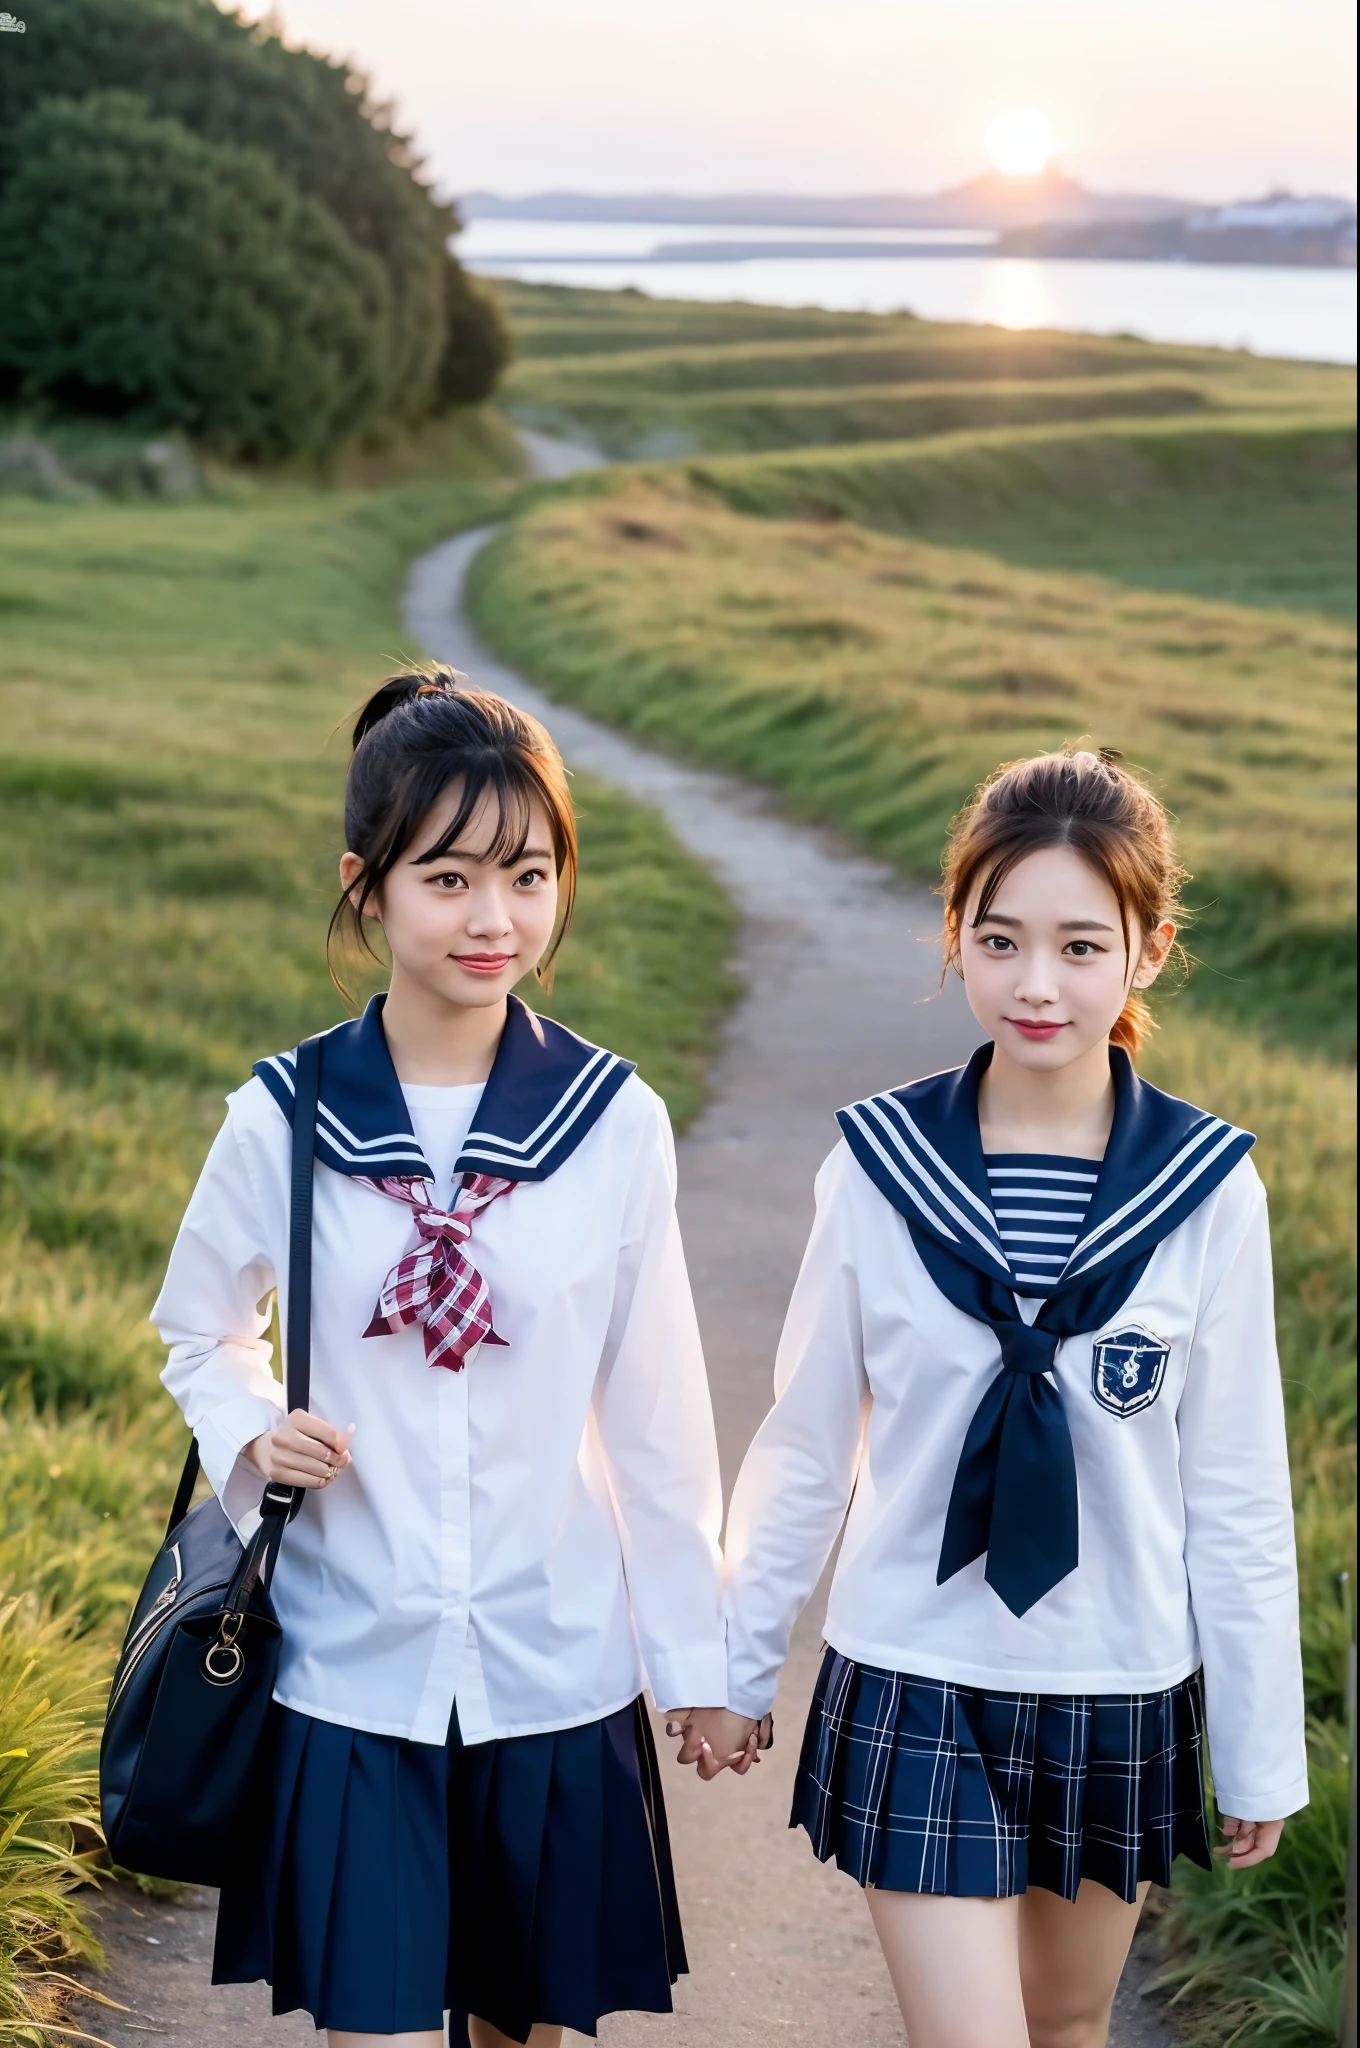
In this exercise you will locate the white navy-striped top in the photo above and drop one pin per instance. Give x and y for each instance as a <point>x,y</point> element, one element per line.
<point>1039,1200</point>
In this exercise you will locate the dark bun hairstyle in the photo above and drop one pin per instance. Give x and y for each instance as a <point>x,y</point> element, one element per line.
<point>1075,798</point>
<point>420,731</point>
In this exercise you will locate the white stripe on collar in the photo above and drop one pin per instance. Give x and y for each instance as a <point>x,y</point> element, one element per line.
<point>1147,1216</point>
<point>900,1155</point>
<point>486,1147</point>
<point>396,1151</point>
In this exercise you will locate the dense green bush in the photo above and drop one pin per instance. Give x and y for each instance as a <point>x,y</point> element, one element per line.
<point>477,343</point>
<point>238,86</point>
<point>143,269</point>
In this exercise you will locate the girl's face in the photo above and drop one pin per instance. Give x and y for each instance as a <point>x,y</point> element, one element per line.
<point>1046,971</point>
<point>468,926</point>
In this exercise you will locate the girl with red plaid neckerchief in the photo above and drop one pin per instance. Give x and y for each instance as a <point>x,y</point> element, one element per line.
<point>513,1498</point>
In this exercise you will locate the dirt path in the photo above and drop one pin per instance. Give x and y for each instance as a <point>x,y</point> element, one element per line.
<point>840,980</point>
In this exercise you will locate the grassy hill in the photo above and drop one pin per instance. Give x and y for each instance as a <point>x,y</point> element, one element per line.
<point>1257,508</point>
<point>1204,470</point>
<point>884,555</point>
<point>171,681</point>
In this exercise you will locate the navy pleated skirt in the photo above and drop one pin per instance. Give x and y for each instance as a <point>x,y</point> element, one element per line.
<point>524,1880</point>
<point>921,1785</point>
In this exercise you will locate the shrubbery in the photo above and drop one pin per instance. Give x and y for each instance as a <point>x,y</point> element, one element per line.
<point>246,249</point>
<point>144,269</point>
<point>477,343</point>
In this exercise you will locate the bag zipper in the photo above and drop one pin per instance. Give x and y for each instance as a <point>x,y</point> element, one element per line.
<point>150,1628</point>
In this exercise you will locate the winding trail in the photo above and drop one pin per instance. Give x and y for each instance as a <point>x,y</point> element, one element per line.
<point>840,998</point>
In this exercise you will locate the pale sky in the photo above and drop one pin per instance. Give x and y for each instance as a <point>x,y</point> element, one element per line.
<point>1211,98</point>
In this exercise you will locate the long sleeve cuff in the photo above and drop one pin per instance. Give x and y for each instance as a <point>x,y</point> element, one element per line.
<point>1278,1805</point>
<point>694,1677</point>
<point>755,1702</point>
<point>222,1435</point>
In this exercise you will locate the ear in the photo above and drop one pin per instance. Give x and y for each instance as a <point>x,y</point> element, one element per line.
<point>1156,950</point>
<point>351,868</point>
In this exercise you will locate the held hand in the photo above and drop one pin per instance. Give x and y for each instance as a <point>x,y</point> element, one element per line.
<point>1249,1841</point>
<point>718,1740</point>
<point>303,1451</point>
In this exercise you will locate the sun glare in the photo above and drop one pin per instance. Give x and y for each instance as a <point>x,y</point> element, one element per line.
<point>1021,141</point>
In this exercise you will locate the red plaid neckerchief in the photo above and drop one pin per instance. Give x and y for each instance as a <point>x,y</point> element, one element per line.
<point>437,1284</point>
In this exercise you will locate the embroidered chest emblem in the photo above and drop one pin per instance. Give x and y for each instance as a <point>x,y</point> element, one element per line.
<point>1127,1369</point>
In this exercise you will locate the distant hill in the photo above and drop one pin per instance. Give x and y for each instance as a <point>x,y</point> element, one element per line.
<point>1316,229</point>
<point>989,201</point>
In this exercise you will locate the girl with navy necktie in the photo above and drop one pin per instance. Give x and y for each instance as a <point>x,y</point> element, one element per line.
<point>1029,1369</point>
<point>511,1523</point>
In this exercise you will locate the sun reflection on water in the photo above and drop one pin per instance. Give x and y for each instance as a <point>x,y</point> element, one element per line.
<point>1015,293</point>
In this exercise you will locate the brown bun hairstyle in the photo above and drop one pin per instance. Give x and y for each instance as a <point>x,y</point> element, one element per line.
<point>420,731</point>
<point>1089,802</point>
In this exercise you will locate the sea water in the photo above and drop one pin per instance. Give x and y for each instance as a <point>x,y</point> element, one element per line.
<point>1274,310</point>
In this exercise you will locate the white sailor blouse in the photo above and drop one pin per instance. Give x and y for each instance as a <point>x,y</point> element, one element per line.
<point>1073,1487</point>
<point>535,1535</point>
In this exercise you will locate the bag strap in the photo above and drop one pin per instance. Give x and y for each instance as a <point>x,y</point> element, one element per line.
<point>281,1500</point>
<point>281,1503</point>
<point>184,1492</point>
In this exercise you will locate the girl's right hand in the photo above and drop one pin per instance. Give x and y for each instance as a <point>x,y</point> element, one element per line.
<point>302,1451</point>
<point>1249,1841</point>
<point>718,1740</point>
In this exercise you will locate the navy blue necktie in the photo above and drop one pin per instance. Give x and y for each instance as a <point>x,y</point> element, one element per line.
<point>1014,1497</point>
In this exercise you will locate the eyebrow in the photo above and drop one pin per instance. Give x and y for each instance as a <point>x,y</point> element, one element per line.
<point>464,853</point>
<point>1072,924</point>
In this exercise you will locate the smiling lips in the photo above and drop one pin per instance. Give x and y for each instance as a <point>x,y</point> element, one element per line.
<point>1036,1031</point>
<point>484,963</point>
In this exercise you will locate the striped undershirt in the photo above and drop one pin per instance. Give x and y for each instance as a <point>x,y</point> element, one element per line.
<point>1039,1201</point>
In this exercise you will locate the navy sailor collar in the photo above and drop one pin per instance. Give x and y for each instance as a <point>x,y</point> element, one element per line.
<point>546,1089</point>
<point>921,1148</point>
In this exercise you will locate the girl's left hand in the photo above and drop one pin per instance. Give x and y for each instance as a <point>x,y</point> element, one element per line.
<point>716,1740</point>
<point>1249,1841</point>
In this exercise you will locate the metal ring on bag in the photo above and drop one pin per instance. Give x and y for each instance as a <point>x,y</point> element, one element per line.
<point>223,1664</point>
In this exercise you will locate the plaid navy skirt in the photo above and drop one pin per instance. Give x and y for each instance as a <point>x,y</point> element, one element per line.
<point>921,1785</point>
<point>383,1881</point>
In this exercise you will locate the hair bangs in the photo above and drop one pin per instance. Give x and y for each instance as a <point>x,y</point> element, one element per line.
<point>513,796</point>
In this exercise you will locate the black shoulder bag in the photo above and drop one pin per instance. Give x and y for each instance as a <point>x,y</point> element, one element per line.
<point>188,1702</point>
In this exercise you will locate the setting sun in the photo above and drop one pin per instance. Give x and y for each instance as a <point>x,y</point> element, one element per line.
<point>1021,142</point>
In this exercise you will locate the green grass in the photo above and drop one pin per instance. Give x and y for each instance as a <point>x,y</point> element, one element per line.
<point>561,320</point>
<point>1257,509</point>
<point>592,342</point>
<point>170,781</point>
<point>47,1803</point>
<point>641,425</point>
<point>669,349</point>
<point>1207,471</point>
<point>105,457</point>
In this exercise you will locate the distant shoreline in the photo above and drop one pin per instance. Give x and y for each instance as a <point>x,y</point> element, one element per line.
<point>1050,215</point>
<point>1306,313</point>
<point>821,252</point>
